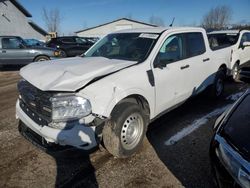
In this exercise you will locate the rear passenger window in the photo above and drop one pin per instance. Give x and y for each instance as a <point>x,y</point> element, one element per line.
<point>11,43</point>
<point>195,44</point>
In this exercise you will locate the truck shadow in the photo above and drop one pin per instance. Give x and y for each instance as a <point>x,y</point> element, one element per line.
<point>74,169</point>
<point>73,166</point>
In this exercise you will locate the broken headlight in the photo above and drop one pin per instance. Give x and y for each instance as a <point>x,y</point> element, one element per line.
<point>67,108</point>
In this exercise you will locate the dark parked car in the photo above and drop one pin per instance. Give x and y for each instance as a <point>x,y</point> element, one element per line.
<point>70,46</point>
<point>14,51</point>
<point>230,146</point>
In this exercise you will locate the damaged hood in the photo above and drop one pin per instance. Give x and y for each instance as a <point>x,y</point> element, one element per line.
<point>70,74</point>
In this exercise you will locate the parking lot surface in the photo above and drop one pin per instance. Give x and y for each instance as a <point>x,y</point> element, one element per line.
<point>174,154</point>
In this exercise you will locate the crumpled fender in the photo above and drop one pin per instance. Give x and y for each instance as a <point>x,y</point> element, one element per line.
<point>107,92</point>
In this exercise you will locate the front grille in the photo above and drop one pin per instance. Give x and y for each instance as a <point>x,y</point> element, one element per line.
<point>37,101</point>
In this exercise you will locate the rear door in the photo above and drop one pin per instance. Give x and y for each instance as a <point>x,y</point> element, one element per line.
<point>199,62</point>
<point>13,51</point>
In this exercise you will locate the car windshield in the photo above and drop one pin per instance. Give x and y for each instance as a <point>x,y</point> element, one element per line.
<point>125,46</point>
<point>237,129</point>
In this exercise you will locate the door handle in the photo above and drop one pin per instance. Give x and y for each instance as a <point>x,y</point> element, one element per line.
<point>207,59</point>
<point>184,67</point>
<point>3,51</point>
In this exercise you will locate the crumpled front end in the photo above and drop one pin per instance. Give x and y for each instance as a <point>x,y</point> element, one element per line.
<point>34,109</point>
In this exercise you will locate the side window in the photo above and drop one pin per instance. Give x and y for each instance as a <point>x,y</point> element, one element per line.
<point>248,37</point>
<point>244,38</point>
<point>81,41</point>
<point>172,49</point>
<point>11,43</point>
<point>195,44</point>
<point>68,40</point>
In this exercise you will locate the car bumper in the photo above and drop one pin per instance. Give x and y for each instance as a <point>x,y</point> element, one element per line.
<point>80,136</point>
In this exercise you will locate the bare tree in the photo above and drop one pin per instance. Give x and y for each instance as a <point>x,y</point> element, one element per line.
<point>52,19</point>
<point>156,21</point>
<point>217,18</point>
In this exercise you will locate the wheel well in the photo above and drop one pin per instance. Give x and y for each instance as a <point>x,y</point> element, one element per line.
<point>223,67</point>
<point>40,56</point>
<point>238,62</point>
<point>138,99</point>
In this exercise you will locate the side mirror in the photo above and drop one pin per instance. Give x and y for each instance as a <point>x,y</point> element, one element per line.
<point>244,74</point>
<point>158,63</point>
<point>245,44</point>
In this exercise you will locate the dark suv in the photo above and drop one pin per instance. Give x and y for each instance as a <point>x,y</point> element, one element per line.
<point>70,46</point>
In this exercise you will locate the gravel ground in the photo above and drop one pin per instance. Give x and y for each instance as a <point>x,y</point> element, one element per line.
<point>183,163</point>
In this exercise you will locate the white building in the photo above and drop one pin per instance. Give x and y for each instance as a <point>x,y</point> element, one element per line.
<point>15,21</point>
<point>101,30</point>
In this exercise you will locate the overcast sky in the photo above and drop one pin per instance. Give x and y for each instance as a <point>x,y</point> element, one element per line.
<point>79,14</point>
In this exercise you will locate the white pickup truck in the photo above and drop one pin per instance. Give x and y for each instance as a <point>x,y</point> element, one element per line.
<point>118,87</point>
<point>238,42</point>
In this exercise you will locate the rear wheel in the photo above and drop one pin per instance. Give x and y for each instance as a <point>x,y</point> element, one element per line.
<point>41,58</point>
<point>235,71</point>
<point>124,133</point>
<point>217,88</point>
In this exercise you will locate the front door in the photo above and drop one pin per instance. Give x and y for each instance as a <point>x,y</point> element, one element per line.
<point>172,74</point>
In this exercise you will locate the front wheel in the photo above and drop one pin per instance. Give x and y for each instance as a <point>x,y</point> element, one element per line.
<point>124,133</point>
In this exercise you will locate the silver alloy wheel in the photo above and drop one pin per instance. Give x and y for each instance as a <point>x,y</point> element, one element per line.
<point>219,87</point>
<point>235,71</point>
<point>132,131</point>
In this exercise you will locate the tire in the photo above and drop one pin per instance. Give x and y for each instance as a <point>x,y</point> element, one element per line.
<point>41,58</point>
<point>123,134</point>
<point>217,88</point>
<point>235,71</point>
<point>63,53</point>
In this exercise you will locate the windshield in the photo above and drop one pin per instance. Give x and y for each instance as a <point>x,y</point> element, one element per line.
<point>237,129</point>
<point>125,46</point>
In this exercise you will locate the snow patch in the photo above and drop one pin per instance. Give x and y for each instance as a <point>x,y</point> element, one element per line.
<point>195,125</point>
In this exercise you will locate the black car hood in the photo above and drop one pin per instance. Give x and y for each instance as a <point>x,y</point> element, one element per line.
<point>237,127</point>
